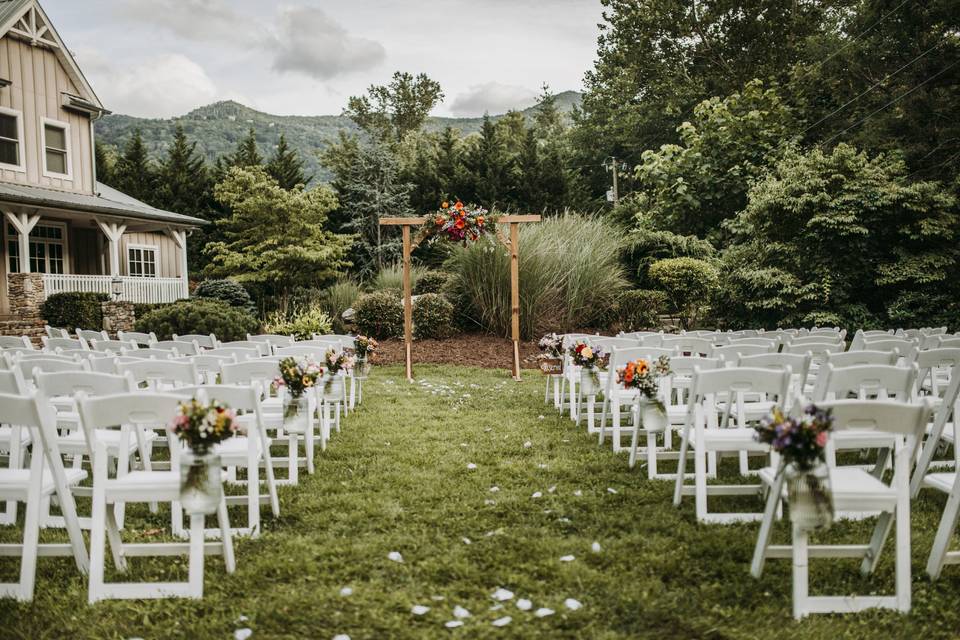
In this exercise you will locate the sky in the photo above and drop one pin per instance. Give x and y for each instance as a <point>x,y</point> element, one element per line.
<point>162,58</point>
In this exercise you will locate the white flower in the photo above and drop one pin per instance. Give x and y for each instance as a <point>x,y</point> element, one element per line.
<point>502,594</point>
<point>467,541</point>
<point>578,493</point>
<point>395,556</point>
<point>346,591</point>
<point>541,466</point>
<point>572,604</point>
<point>502,622</point>
<point>524,605</point>
<point>494,489</point>
<point>537,494</point>
<point>611,490</point>
<point>543,612</point>
<point>471,466</point>
<point>541,417</point>
<point>527,444</point>
<point>496,607</point>
<point>489,503</point>
<point>567,558</point>
<point>595,547</point>
<point>341,636</point>
<point>460,612</point>
<point>552,489</point>
<point>419,609</point>
<point>453,624</point>
<point>242,634</point>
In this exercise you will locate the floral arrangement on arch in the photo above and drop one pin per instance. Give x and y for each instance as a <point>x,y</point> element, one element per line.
<point>201,426</point>
<point>460,223</point>
<point>645,378</point>
<point>298,375</point>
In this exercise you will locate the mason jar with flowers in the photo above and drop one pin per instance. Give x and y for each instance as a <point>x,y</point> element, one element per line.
<point>591,361</point>
<point>644,377</point>
<point>363,347</point>
<point>200,426</point>
<point>297,377</point>
<point>336,363</point>
<point>801,442</point>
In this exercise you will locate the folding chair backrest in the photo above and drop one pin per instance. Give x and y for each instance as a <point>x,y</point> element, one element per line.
<point>250,371</point>
<point>947,343</point>
<point>300,350</point>
<point>854,358</point>
<point>936,365</point>
<point>115,346</point>
<point>688,345</point>
<point>142,339</point>
<point>817,339</point>
<point>866,382</point>
<point>274,340</point>
<point>906,348</point>
<point>51,344</point>
<point>15,342</point>
<point>772,343</point>
<point>49,365</point>
<point>607,344</point>
<point>238,353</point>
<point>12,352</point>
<point>70,383</point>
<point>208,366</point>
<point>734,351</point>
<point>150,353</point>
<point>741,380</point>
<point>799,363</point>
<point>208,341</point>
<point>12,382</point>
<point>816,349</point>
<point>908,420</point>
<point>135,409</point>
<point>237,397</point>
<point>56,332</point>
<point>345,341</point>
<point>161,372</point>
<point>181,346</point>
<point>834,332</point>
<point>262,347</point>
<point>637,335</point>
<point>43,355</point>
<point>90,334</point>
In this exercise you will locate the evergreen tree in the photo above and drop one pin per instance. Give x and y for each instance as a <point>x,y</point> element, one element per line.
<point>135,173</point>
<point>247,155</point>
<point>286,166</point>
<point>490,167</point>
<point>106,159</point>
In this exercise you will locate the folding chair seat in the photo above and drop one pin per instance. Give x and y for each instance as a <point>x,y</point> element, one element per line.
<point>854,490</point>
<point>44,478</point>
<point>131,411</point>
<point>704,434</point>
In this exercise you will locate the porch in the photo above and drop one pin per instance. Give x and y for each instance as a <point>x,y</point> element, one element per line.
<point>132,289</point>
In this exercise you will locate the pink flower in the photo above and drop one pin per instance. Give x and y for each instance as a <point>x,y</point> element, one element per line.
<point>822,439</point>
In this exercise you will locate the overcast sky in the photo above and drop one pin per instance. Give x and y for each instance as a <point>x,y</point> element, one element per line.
<point>160,58</point>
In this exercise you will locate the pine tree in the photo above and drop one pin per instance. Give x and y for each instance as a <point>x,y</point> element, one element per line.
<point>135,173</point>
<point>106,159</point>
<point>490,167</point>
<point>286,167</point>
<point>247,155</point>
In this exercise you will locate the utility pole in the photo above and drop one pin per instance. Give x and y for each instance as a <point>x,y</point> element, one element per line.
<point>611,164</point>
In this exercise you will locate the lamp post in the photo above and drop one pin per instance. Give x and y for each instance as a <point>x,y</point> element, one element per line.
<point>116,287</point>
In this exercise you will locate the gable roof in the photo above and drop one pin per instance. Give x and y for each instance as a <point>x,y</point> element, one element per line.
<point>108,201</point>
<point>41,31</point>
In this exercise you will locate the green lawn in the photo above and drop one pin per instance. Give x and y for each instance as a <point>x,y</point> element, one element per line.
<point>396,479</point>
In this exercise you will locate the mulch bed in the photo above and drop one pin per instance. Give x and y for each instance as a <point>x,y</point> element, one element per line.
<point>470,350</point>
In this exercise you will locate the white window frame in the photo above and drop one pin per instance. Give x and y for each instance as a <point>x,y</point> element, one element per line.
<point>156,259</point>
<point>22,167</point>
<point>65,242</point>
<point>44,123</point>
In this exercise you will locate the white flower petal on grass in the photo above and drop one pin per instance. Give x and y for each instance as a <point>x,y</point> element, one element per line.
<point>242,634</point>
<point>543,612</point>
<point>537,494</point>
<point>489,503</point>
<point>565,440</point>
<point>346,591</point>
<point>611,490</point>
<point>419,610</point>
<point>464,444</point>
<point>527,444</point>
<point>437,598</point>
<point>471,466</point>
<point>524,605</point>
<point>502,594</point>
<point>488,430</point>
<point>494,489</point>
<point>241,619</point>
<point>502,622</point>
<point>541,417</point>
<point>552,489</point>
<point>572,604</point>
<point>496,607</point>
<point>567,558</point>
<point>395,556</point>
<point>467,541</point>
<point>460,612</point>
<point>453,624</point>
<point>341,636</point>
<point>541,466</point>
<point>578,493</point>
<point>595,547</point>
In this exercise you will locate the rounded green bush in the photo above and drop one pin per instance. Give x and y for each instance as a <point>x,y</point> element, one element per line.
<point>640,309</point>
<point>74,310</point>
<point>431,282</point>
<point>199,316</point>
<point>432,316</point>
<point>229,291</point>
<point>689,283</point>
<point>302,324</point>
<point>379,314</point>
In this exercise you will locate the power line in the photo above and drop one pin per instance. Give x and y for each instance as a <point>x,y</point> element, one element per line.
<point>894,101</point>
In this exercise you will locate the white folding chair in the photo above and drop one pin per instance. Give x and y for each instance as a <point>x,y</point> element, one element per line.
<point>180,347</point>
<point>615,397</point>
<point>208,341</point>
<point>940,553</point>
<point>262,347</point>
<point>943,431</point>
<point>15,342</point>
<point>52,344</point>
<point>14,438</point>
<point>131,411</point>
<point>90,334</point>
<point>688,345</point>
<point>44,478</point>
<point>208,367</point>
<point>140,338</point>
<point>55,332</point>
<point>854,490</point>
<point>274,340</point>
<point>704,434</point>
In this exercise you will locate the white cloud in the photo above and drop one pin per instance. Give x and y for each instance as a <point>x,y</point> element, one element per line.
<point>202,20</point>
<point>492,97</point>
<point>160,87</point>
<point>311,42</point>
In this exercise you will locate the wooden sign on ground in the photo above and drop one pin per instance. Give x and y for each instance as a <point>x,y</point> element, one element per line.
<point>512,244</point>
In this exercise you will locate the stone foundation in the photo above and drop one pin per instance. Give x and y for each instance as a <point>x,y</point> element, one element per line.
<point>117,316</point>
<point>26,294</point>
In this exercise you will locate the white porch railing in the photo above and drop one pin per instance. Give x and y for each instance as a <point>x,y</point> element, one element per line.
<point>141,290</point>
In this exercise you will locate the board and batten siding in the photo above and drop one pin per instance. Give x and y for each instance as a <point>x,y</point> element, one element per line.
<point>168,254</point>
<point>37,82</point>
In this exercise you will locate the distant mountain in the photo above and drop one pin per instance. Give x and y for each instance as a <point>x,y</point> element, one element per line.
<point>218,127</point>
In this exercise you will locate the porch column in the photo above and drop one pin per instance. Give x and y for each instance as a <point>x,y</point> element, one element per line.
<point>179,237</point>
<point>114,231</point>
<point>24,224</point>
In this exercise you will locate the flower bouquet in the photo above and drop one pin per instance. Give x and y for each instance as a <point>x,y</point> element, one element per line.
<point>201,426</point>
<point>590,360</point>
<point>460,223</point>
<point>645,378</point>
<point>297,376</point>
<point>335,362</point>
<point>364,347</point>
<point>801,442</point>
<point>551,356</point>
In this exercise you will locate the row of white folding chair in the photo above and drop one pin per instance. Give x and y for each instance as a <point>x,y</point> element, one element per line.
<point>14,439</point>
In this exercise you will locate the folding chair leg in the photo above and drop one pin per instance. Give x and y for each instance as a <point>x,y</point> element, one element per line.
<point>766,527</point>
<point>681,471</point>
<point>801,568</point>
<point>880,533</point>
<point>293,463</point>
<point>253,497</point>
<point>97,547</point>
<point>941,542</point>
<point>116,543</point>
<point>226,537</point>
<point>700,482</point>
<point>31,533</point>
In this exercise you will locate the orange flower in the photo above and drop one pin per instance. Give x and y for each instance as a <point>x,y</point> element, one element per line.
<point>480,221</point>
<point>460,224</point>
<point>445,205</point>
<point>642,367</point>
<point>438,220</point>
<point>459,205</point>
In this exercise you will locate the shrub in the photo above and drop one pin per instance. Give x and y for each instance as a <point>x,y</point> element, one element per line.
<point>229,291</point>
<point>302,324</point>
<point>431,282</point>
<point>199,316</point>
<point>74,310</point>
<point>689,285</point>
<point>338,298</point>
<point>141,309</point>
<point>432,316</point>
<point>570,277</point>
<point>379,314</point>
<point>640,309</point>
<point>390,278</point>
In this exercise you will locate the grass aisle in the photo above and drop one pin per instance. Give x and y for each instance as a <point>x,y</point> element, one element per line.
<point>397,479</point>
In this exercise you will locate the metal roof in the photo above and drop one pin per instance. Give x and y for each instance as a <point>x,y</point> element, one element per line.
<point>11,8</point>
<point>108,201</point>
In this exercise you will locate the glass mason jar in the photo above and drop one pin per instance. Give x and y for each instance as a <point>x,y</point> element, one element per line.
<point>332,387</point>
<point>295,410</point>
<point>589,381</point>
<point>652,416</point>
<point>200,485</point>
<point>362,368</point>
<point>809,496</point>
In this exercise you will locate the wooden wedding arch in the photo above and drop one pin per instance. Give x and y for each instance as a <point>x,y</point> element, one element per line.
<point>512,243</point>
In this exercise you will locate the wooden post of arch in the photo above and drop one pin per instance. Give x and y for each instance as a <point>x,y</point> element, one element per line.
<point>513,244</point>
